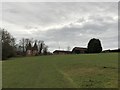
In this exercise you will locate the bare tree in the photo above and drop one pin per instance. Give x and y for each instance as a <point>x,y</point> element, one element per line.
<point>45,50</point>
<point>41,46</point>
<point>26,43</point>
<point>22,45</point>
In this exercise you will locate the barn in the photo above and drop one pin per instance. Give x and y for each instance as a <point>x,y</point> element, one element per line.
<point>78,50</point>
<point>61,52</point>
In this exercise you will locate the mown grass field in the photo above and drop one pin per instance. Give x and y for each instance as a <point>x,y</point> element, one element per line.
<point>62,71</point>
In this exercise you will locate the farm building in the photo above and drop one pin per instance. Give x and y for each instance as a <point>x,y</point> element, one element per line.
<point>61,52</point>
<point>32,50</point>
<point>106,51</point>
<point>78,50</point>
<point>114,50</point>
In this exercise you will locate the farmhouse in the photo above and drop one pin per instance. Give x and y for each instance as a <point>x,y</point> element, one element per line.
<point>61,52</point>
<point>32,50</point>
<point>78,50</point>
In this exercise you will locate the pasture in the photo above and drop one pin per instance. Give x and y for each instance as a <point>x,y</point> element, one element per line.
<point>62,71</point>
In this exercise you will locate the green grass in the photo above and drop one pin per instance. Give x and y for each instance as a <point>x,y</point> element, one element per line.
<point>62,71</point>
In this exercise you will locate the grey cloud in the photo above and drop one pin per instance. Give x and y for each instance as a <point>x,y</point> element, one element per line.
<point>72,24</point>
<point>50,13</point>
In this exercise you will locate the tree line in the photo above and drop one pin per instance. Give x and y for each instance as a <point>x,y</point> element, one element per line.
<point>11,49</point>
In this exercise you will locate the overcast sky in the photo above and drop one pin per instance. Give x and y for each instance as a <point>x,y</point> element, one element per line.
<point>63,24</point>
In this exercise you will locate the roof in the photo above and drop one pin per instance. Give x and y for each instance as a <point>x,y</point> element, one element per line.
<point>29,47</point>
<point>79,48</point>
<point>35,47</point>
<point>57,51</point>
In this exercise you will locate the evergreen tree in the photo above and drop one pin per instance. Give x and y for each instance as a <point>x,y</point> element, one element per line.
<point>94,46</point>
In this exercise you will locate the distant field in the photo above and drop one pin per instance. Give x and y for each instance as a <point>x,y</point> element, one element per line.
<point>62,71</point>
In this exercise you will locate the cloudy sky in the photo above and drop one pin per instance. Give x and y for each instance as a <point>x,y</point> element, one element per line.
<point>63,23</point>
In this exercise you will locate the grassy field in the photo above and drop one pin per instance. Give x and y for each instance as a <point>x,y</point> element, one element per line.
<point>62,71</point>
